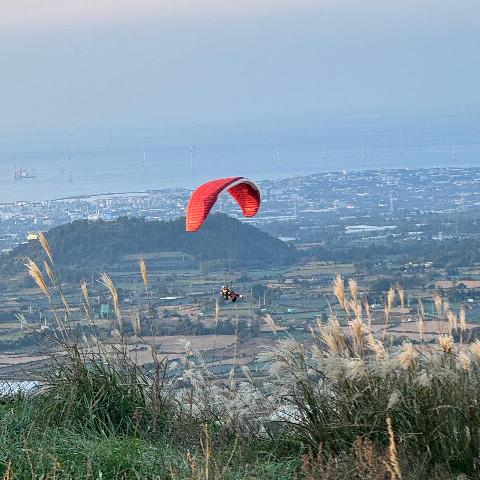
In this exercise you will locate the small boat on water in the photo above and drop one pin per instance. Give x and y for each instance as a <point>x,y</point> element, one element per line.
<point>21,173</point>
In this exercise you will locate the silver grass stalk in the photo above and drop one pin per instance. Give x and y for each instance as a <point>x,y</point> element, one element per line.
<point>45,245</point>
<point>35,272</point>
<point>143,271</point>
<point>108,283</point>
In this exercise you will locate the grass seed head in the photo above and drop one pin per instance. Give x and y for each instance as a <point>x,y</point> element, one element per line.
<point>407,358</point>
<point>356,328</point>
<point>393,456</point>
<point>452,321</point>
<point>386,312</point>
<point>355,369</point>
<point>366,306</point>
<point>376,346</point>
<point>136,322</point>
<point>464,361</point>
<point>438,301</point>
<point>353,287</point>
<point>37,276</point>
<point>394,399</point>
<point>339,291</point>
<point>401,294</point>
<point>421,326</point>
<point>45,245</point>
<point>270,322</point>
<point>143,271</point>
<point>446,306</point>
<point>390,298</point>
<point>85,293</point>
<point>357,310</point>
<point>108,282</point>
<point>421,308</point>
<point>8,475</point>
<point>332,335</point>
<point>446,343</point>
<point>463,319</point>
<point>475,349</point>
<point>49,271</point>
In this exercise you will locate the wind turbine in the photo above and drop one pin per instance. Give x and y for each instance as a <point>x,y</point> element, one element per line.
<point>402,144</point>
<point>192,150</point>
<point>279,144</point>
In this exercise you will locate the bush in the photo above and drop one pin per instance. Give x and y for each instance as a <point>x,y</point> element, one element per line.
<point>104,393</point>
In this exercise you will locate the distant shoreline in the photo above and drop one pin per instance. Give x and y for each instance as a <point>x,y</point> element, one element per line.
<point>95,195</point>
<point>182,189</point>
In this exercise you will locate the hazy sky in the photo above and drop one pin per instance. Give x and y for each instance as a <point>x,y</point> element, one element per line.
<point>109,63</point>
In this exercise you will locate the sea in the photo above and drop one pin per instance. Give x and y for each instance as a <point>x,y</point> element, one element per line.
<point>87,161</point>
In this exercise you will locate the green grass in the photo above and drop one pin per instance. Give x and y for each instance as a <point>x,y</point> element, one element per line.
<point>34,452</point>
<point>102,417</point>
<point>78,452</point>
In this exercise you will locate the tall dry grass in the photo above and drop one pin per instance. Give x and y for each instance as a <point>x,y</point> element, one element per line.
<point>345,393</point>
<point>107,281</point>
<point>143,272</point>
<point>350,385</point>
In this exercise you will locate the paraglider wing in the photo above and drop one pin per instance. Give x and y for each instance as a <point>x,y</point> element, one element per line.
<point>244,191</point>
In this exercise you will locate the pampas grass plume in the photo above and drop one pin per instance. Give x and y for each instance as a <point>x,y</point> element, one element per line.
<point>143,271</point>
<point>37,276</point>
<point>45,245</point>
<point>108,282</point>
<point>446,343</point>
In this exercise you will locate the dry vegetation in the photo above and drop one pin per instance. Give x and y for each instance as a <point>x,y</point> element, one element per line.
<point>346,405</point>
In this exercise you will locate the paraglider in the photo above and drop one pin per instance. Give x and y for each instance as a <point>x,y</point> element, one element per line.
<point>243,190</point>
<point>202,200</point>
<point>228,293</point>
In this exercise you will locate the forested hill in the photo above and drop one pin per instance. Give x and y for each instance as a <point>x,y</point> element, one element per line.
<point>98,243</point>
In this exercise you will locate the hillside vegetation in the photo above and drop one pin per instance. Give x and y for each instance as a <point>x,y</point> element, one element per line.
<point>96,243</point>
<point>345,405</point>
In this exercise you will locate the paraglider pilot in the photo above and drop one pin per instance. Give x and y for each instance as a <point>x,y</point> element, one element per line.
<point>229,293</point>
<point>225,291</point>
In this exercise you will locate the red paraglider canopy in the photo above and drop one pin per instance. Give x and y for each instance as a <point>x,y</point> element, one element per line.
<point>244,191</point>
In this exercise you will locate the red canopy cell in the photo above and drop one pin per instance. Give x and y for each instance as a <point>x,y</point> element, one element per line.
<point>243,190</point>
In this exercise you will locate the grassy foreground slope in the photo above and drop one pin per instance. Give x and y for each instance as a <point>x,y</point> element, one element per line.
<point>34,446</point>
<point>354,411</point>
<point>344,406</point>
<point>347,404</point>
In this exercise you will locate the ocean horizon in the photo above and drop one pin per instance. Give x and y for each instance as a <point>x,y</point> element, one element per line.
<point>93,161</point>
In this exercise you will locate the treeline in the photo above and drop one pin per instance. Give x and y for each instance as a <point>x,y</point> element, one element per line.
<point>187,326</point>
<point>98,243</point>
<point>443,253</point>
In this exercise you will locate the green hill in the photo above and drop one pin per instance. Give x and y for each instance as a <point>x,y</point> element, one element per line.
<point>96,243</point>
